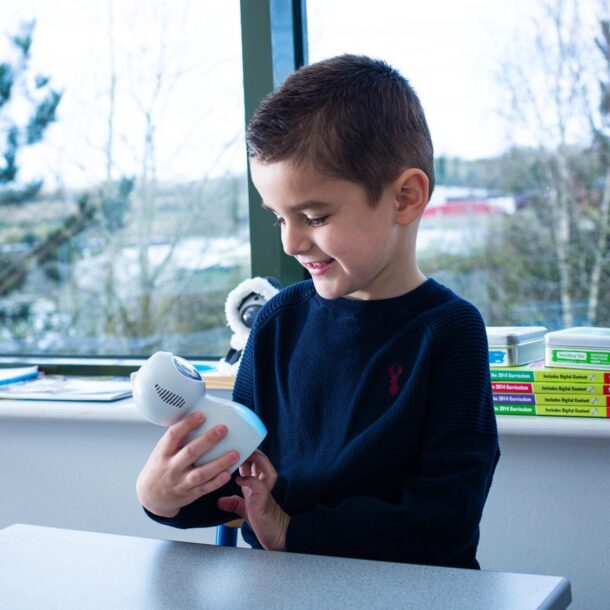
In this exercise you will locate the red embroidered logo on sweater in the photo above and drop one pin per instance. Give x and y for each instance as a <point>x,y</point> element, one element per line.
<point>394,371</point>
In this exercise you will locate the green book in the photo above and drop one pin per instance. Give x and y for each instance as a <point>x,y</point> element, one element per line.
<point>552,410</point>
<point>572,411</point>
<point>577,401</point>
<point>537,371</point>
<point>551,399</point>
<point>515,409</point>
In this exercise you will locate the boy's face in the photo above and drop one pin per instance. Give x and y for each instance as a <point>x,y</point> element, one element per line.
<point>350,248</point>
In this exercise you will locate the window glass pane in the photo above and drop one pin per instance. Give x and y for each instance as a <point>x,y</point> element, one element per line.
<point>518,222</point>
<point>123,214</point>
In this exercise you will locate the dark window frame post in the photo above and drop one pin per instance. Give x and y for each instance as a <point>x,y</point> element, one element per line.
<point>274,44</point>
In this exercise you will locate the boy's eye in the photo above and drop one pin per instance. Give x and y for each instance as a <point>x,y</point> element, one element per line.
<point>312,222</point>
<point>316,222</point>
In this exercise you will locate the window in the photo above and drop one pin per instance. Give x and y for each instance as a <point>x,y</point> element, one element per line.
<point>123,193</point>
<point>123,206</point>
<point>519,220</point>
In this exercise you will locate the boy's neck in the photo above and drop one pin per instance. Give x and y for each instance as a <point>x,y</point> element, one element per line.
<point>410,281</point>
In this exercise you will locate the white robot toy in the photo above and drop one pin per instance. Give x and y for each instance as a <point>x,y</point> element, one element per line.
<point>241,307</point>
<point>167,388</point>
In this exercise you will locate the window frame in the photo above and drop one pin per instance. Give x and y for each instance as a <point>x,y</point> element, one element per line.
<point>274,44</point>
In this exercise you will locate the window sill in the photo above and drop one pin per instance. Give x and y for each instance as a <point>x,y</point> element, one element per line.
<point>569,427</point>
<point>118,411</point>
<point>123,411</point>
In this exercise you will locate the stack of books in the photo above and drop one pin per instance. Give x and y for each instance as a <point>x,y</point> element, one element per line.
<point>214,379</point>
<point>217,381</point>
<point>561,373</point>
<point>536,389</point>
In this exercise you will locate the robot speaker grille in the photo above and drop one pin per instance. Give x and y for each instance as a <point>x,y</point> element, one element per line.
<point>172,399</point>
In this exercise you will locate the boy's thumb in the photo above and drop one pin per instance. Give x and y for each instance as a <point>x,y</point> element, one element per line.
<point>233,504</point>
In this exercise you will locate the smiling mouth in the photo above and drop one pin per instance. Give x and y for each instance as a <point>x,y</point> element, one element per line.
<point>319,267</point>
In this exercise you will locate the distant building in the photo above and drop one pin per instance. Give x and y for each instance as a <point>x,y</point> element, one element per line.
<point>457,219</point>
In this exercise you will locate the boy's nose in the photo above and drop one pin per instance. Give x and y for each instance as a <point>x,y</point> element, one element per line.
<point>294,240</point>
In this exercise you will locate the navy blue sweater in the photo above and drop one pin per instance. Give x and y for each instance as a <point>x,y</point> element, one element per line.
<point>381,424</point>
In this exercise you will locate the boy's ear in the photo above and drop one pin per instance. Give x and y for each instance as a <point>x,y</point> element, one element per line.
<point>411,195</point>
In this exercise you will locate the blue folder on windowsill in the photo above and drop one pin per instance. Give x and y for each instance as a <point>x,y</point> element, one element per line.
<point>17,374</point>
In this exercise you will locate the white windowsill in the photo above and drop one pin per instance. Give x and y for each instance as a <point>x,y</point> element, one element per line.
<point>123,411</point>
<point>573,427</point>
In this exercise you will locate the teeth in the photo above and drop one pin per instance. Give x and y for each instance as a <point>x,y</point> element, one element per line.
<point>317,264</point>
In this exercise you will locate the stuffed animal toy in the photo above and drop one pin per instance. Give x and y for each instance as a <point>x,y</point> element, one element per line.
<point>241,308</point>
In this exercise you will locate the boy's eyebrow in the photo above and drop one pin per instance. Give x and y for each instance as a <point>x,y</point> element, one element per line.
<point>303,205</point>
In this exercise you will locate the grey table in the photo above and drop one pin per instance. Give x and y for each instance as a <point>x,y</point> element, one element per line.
<point>48,568</point>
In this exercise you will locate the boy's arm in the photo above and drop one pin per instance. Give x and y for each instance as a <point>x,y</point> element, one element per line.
<point>170,484</point>
<point>436,520</point>
<point>203,512</point>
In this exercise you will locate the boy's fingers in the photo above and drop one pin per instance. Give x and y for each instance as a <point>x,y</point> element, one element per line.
<point>245,469</point>
<point>233,504</point>
<point>264,466</point>
<point>258,457</point>
<point>174,436</point>
<point>256,485</point>
<point>208,487</point>
<point>211,470</point>
<point>191,452</point>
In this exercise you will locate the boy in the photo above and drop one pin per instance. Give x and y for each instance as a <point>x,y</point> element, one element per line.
<point>372,380</point>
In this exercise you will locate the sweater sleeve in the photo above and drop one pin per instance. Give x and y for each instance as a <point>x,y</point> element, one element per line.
<point>436,519</point>
<point>203,512</point>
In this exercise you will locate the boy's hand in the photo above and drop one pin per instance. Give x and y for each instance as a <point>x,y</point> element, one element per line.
<point>264,515</point>
<point>169,480</point>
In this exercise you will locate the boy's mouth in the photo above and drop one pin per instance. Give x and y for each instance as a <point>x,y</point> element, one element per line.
<point>318,267</point>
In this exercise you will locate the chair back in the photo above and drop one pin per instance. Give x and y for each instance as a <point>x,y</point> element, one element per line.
<point>226,536</point>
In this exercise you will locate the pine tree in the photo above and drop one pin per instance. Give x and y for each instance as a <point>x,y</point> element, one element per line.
<point>19,87</point>
<point>21,90</point>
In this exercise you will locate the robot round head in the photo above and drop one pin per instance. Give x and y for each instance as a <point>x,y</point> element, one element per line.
<point>243,304</point>
<point>166,388</point>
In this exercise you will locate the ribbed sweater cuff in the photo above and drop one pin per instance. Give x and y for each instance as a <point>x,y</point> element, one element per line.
<point>157,518</point>
<point>300,534</point>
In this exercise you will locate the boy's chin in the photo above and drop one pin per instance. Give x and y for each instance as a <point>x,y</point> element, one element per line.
<point>325,290</point>
<point>332,290</point>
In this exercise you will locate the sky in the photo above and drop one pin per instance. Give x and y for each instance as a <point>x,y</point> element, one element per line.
<point>445,49</point>
<point>451,51</point>
<point>178,103</point>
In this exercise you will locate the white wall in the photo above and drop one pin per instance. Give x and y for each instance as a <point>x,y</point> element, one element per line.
<point>548,511</point>
<point>79,475</point>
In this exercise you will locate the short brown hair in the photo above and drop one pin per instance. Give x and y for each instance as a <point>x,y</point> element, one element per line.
<point>352,117</point>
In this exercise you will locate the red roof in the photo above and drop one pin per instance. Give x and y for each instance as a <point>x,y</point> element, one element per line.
<point>462,208</point>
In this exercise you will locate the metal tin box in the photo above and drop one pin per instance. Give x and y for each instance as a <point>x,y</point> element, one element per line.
<point>515,345</point>
<point>581,347</point>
